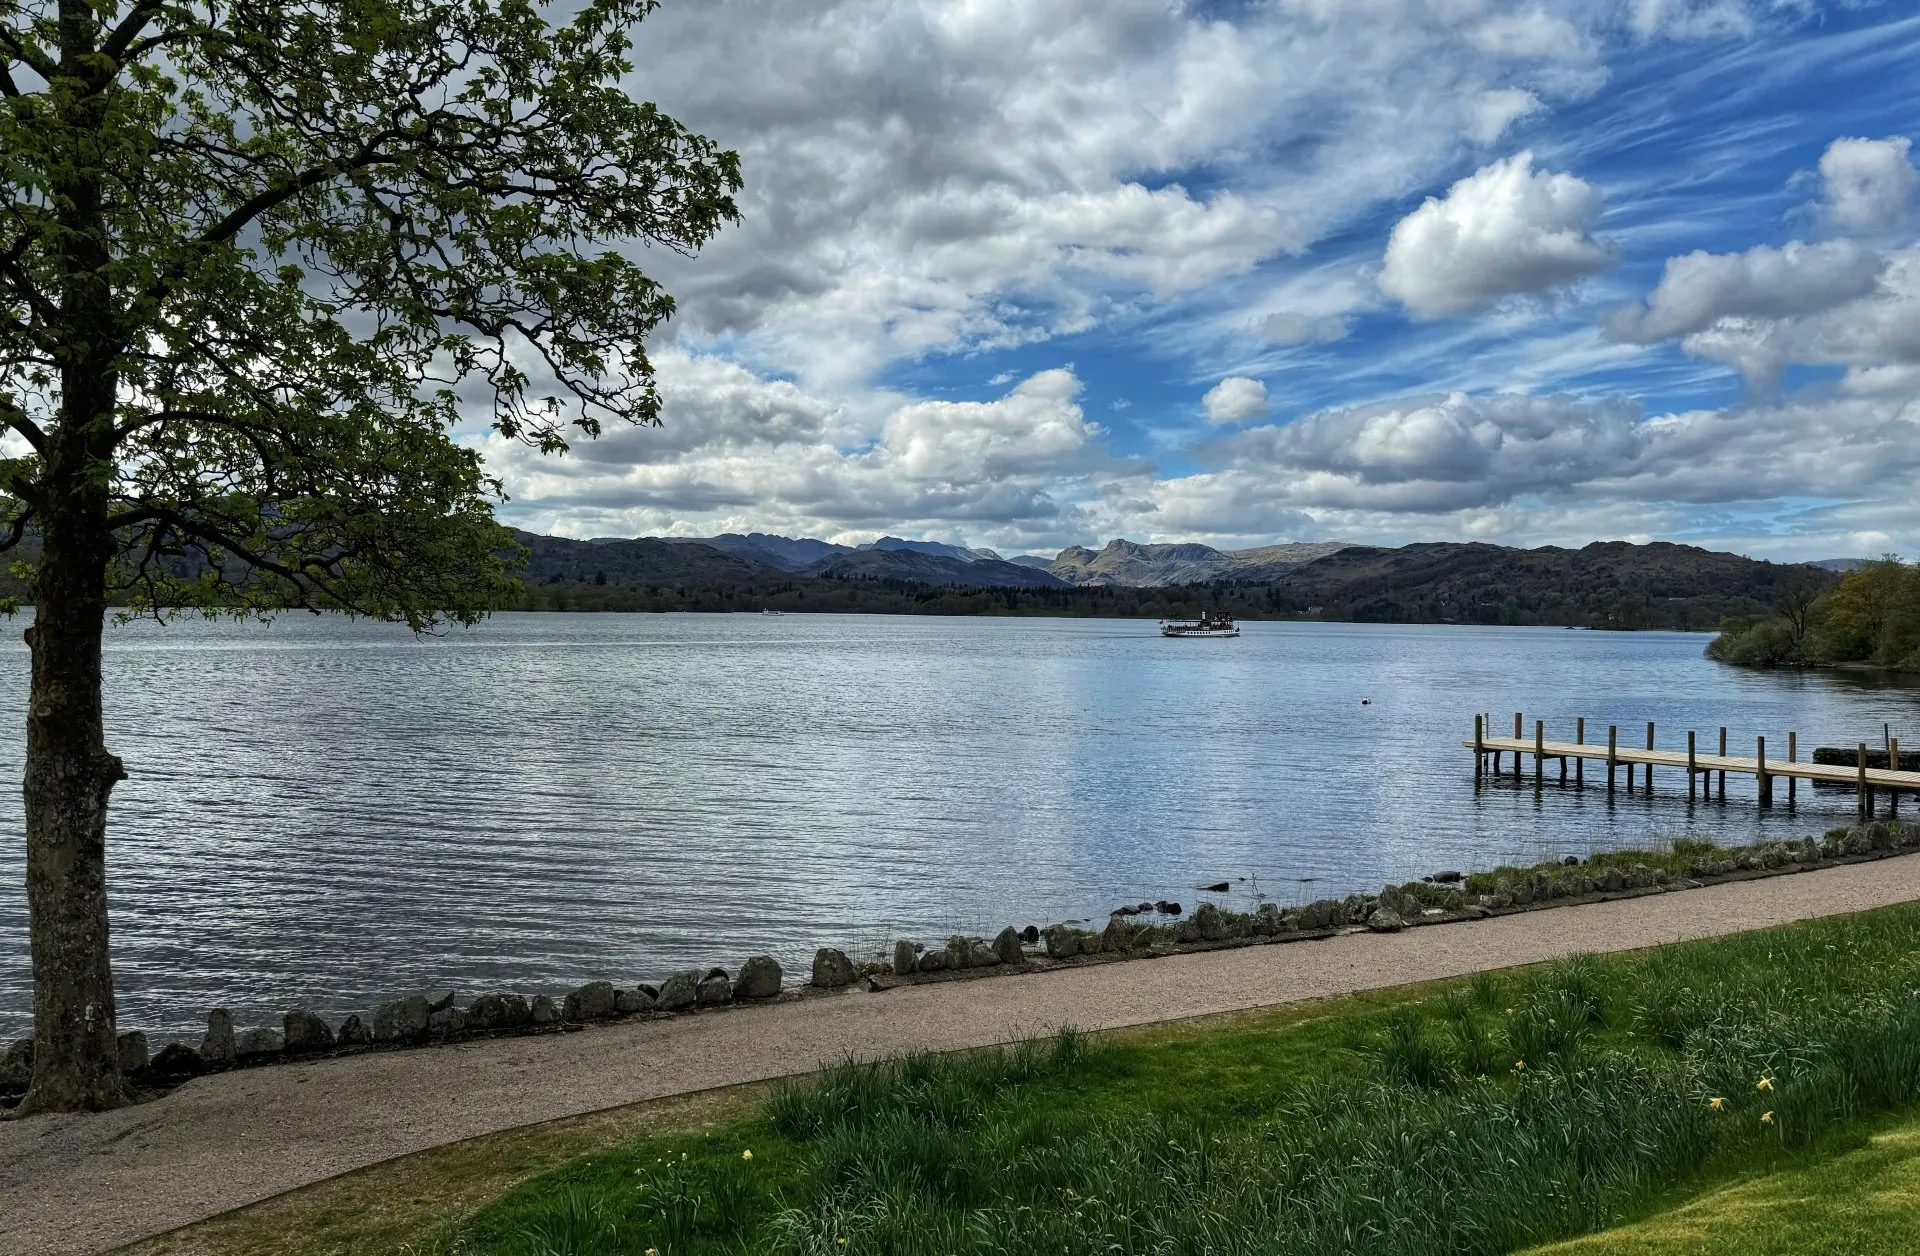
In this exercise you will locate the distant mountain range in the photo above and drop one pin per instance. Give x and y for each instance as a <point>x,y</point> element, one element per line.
<point>1609,584</point>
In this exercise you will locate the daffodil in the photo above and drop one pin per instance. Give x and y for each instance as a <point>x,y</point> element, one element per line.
<point>1717,1103</point>
<point>1765,1083</point>
<point>1518,1065</point>
<point>746,1155</point>
<point>1766,1118</point>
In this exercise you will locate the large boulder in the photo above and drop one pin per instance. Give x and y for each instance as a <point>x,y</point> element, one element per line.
<point>1186,931</point>
<point>1385,920</point>
<point>132,1047</point>
<point>760,978</point>
<point>216,1047</point>
<point>932,962</point>
<point>906,957</point>
<point>591,1002</point>
<point>176,1059</point>
<point>353,1033</point>
<point>959,953</point>
<point>1266,919</point>
<point>499,1011</point>
<point>543,1011</point>
<point>401,1020</point>
<point>1117,936</point>
<point>1063,941</point>
<point>306,1032</point>
<point>16,1066</point>
<point>1007,947</point>
<point>680,991</point>
<point>257,1044</point>
<point>638,999</point>
<point>448,1022</point>
<point>714,989</point>
<point>832,969</point>
<point>439,1001</point>
<point>980,955</point>
<point>1207,919</point>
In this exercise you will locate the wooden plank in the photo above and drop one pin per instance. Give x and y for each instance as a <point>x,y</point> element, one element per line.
<point>1884,778</point>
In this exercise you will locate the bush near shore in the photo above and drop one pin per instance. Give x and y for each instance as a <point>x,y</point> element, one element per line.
<point>1500,1112</point>
<point>1872,617</point>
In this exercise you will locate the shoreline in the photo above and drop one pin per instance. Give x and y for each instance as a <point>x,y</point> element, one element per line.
<point>230,1139</point>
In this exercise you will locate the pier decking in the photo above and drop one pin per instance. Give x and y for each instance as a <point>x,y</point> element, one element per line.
<point>1868,783</point>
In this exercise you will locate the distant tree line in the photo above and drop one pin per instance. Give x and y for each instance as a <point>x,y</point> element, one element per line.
<point>1872,616</point>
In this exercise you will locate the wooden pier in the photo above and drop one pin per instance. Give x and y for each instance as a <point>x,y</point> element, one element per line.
<point>1489,753</point>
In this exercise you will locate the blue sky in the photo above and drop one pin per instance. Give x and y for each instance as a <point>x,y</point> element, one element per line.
<point>1032,274</point>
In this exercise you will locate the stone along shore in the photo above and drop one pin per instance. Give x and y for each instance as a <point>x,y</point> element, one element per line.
<point>427,1019</point>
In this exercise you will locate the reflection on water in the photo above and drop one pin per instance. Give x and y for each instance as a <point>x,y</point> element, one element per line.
<point>328,813</point>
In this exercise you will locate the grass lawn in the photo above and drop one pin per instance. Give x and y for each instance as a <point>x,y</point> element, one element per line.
<point>1716,1080</point>
<point>1864,1202</point>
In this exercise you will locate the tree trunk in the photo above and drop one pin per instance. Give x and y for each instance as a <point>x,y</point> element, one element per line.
<point>68,778</point>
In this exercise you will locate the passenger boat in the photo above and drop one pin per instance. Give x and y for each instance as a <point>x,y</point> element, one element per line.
<point>1210,624</point>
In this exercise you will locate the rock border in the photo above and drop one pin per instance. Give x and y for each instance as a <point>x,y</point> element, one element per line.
<point>1445,898</point>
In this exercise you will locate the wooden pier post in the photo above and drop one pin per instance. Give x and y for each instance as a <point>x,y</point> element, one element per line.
<point>1479,752</point>
<point>1861,780</point>
<point>1649,771</point>
<point>1539,753</point>
<point>1760,773</point>
<point>1693,779</point>
<point>1613,746</point>
<point>1793,782</point>
<point>1580,761</point>
<point>1723,771</point>
<point>1893,765</point>
<point>1516,754</point>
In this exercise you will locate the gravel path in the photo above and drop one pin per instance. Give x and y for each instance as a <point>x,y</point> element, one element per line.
<point>81,1184</point>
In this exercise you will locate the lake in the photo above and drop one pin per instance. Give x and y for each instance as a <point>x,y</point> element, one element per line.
<point>327,813</point>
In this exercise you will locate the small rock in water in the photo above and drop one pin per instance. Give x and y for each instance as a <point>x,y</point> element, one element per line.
<point>216,1048</point>
<point>1217,887</point>
<point>832,969</point>
<point>353,1033</point>
<point>176,1059</point>
<point>133,1051</point>
<point>1030,935</point>
<point>1167,909</point>
<point>759,978</point>
<point>1446,878</point>
<point>1571,861</point>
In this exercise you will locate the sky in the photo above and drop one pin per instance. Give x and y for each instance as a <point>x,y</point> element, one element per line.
<point>1034,273</point>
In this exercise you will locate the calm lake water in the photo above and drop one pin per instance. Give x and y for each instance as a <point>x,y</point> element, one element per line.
<point>325,813</point>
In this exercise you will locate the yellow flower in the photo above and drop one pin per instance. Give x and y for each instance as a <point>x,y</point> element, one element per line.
<point>1717,1103</point>
<point>1509,1011</point>
<point>843,1242</point>
<point>1766,1118</point>
<point>1518,1065</point>
<point>746,1155</point>
<point>1765,1083</point>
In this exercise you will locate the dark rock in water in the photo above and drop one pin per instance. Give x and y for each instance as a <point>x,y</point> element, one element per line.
<point>629,1002</point>
<point>398,1020</point>
<point>216,1047</point>
<point>714,972</point>
<point>591,1002</point>
<point>1571,861</point>
<point>679,991</point>
<point>713,991</point>
<point>252,1044</point>
<point>1030,935</point>
<point>1007,947</point>
<point>498,1011</point>
<point>132,1047</point>
<point>16,1066</point>
<point>1142,909</point>
<point>1167,909</point>
<point>543,1011</point>
<point>1447,878</point>
<point>1385,920</point>
<point>439,1001</point>
<point>1207,919</point>
<point>759,978</point>
<point>306,1032</point>
<point>1128,910</point>
<point>448,1022</point>
<point>832,969</point>
<point>1218,887</point>
<point>176,1059</point>
<point>353,1033</point>
<point>652,992</point>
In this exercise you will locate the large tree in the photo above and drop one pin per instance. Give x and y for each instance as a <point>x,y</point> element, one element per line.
<point>258,259</point>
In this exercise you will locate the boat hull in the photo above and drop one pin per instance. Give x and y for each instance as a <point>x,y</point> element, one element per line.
<point>1199,632</point>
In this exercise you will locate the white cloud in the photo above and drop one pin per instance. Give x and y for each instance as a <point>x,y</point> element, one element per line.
<point>1494,112</point>
<point>1688,19</point>
<point>1235,399</point>
<point>1700,289</point>
<point>1504,230</point>
<point>1869,184</point>
<point>1287,327</point>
